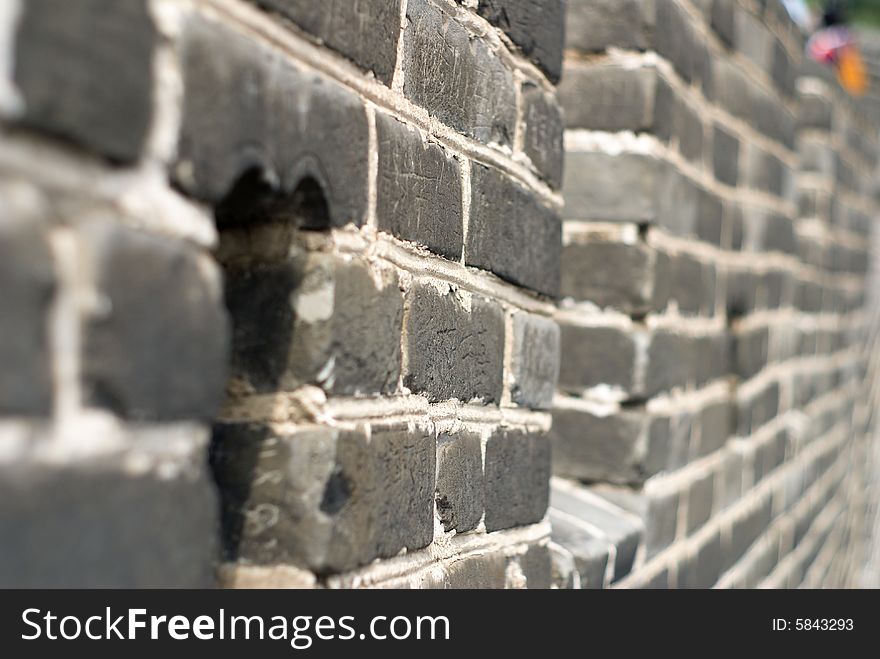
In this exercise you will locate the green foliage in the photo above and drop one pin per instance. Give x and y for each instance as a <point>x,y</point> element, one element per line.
<point>860,11</point>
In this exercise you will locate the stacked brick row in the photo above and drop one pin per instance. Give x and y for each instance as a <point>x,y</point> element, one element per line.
<point>282,279</point>
<point>715,242</point>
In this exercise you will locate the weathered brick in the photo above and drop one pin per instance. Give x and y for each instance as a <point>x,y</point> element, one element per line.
<point>609,97</point>
<point>534,366</point>
<point>612,448</point>
<point>536,26</point>
<point>479,571</point>
<point>511,233</point>
<point>594,25</point>
<point>460,489</point>
<point>324,498</point>
<point>590,553</point>
<point>364,32</point>
<point>85,72</point>
<point>455,351</point>
<point>163,314</point>
<point>595,356</point>
<point>100,524</point>
<point>297,130</point>
<point>612,272</point>
<point>657,510</point>
<point>615,188</point>
<point>623,532</point>
<point>517,478</point>
<point>477,96</point>
<point>315,318</point>
<point>27,284</point>
<point>418,189</point>
<point>542,132</point>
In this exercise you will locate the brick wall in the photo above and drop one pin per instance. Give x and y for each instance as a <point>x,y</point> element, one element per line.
<point>710,423</point>
<point>372,189</point>
<point>300,294</point>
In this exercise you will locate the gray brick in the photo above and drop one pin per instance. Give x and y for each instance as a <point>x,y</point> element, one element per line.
<point>750,351</point>
<point>511,233</point>
<point>700,500</point>
<point>418,189</point>
<point>534,366</point>
<point>542,132</point>
<point>406,463</point>
<point>611,448</point>
<point>757,409</point>
<point>85,72</point>
<point>537,567</point>
<point>454,352</point>
<point>747,528</point>
<point>99,524</point>
<point>536,26</point>
<point>27,284</point>
<point>477,96</point>
<point>363,32</point>
<point>596,356</point>
<point>624,532</point>
<point>815,111</point>
<point>658,512</point>
<point>460,490</point>
<point>723,20</point>
<point>163,315</point>
<point>612,188</point>
<point>590,553</point>
<point>725,156</point>
<point>323,498</point>
<point>612,273</point>
<point>594,25</point>
<point>692,285</point>
<point>675,38</point>
<point>609,97</point>
<point>517,478</point>
<point>479,571</point>
<point>296,130</point>
<point>716,425</point>
<point>315,318</point>
<point>672,361</point>
<point>705,565</point>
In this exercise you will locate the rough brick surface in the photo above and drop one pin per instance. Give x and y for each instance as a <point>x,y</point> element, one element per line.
<point>517,478</point>
<point>511,233</point>
<point>85,72</point>
<point>129,345</point>
<point>287,124</point>
<point>419,189</point>
<point>538,28</point>
<point>364,32</point>
<point>456,351</point>
<point>476,97</point>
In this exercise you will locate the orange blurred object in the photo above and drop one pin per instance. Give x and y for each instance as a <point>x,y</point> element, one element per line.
<point>851,70</point>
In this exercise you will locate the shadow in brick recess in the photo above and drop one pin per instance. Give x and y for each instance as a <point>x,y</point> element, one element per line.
<point>264,224</point>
